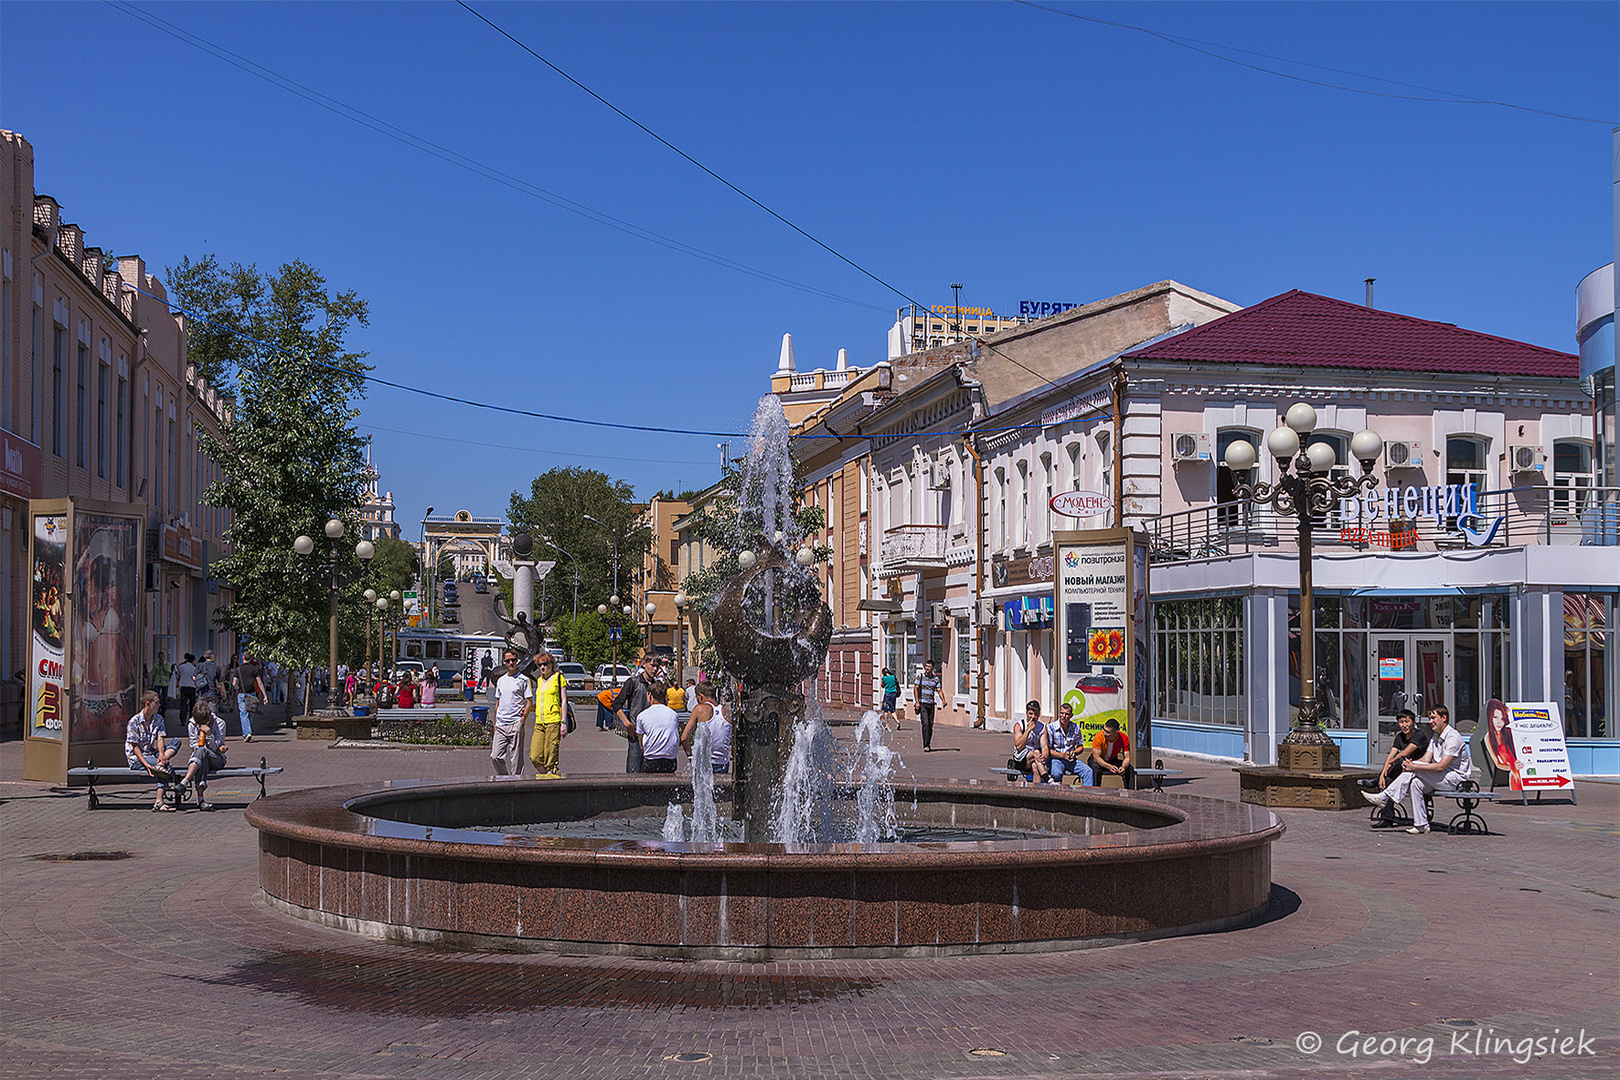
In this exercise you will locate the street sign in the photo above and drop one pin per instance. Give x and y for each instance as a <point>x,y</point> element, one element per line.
<point>615,634</point>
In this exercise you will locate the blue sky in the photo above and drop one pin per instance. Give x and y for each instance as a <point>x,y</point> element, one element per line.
<point>1025,154</point>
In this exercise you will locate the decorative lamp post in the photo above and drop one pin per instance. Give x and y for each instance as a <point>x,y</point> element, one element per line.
<point>396,605</point>
<point>382,616</point>
<point>681,603</point>
<point>428,569</point>
<point>1304,489</point>
<point>371,606</point>
<point>303,546</point>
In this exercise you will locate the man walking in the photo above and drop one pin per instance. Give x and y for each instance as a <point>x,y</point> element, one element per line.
<point>927,697</point>
<point>161,674</point>
<point>185,680</point>
<point>1446,764</point>
<point>632,700</point>
<point>208,681</point>
<point>514,700</point>
<point>249,682</point>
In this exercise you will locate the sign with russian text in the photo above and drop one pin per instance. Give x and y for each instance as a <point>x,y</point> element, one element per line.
<point>19,466</point>
<point>47,605</point>
<point>1408,504</point>
<point>1540,756</point>
<point>1040,309</point>
<point>1101,605</point>
<point>1081,504</point>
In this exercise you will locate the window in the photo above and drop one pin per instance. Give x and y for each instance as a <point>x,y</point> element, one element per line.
<point>1001,508</point>
<point>1077,475</point>
<point>937,327</point>
<point>1572,475</point>
<point>123,433</point>
<point>170,499</point>
<point>157,456</point>
<point>58,391</point>
<point>35,426</point>
<point>1465,464</point>
<point>1339,469</point>
<point>1232,514</point>
<point>1198,660</point>
<point>899,649</point>
<point>964,655</point>
<point>82,409</point>
<point>1023,504</point>
<point>1048,491</point>
<point>101,420</point>
<point>5,349</point>
<point>1589,681</point>
<point>1105,462</point>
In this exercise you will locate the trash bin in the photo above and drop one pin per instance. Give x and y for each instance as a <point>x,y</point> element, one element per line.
<point>467,692</point>
<point>362,710</point>
<point>480,714</point>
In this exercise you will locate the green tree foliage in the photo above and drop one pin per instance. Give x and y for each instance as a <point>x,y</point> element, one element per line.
<point>289,455</point>
<point>394,565</point>
<point>554,514</point>
<point>586,639</point>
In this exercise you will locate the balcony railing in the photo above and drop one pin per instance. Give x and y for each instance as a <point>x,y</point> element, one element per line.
<point>913,546</point>
<point>1516,517</point>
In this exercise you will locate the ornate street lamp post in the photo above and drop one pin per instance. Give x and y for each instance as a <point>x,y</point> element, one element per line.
<point>681,603</point>
<point>381,604</point>
<point>614,621</point>
<point>396,611</point>
<point>1305,492</point>
<point>371,605</point>
<point>364,550</point>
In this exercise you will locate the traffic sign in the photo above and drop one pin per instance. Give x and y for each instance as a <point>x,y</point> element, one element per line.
<point>615,634</point>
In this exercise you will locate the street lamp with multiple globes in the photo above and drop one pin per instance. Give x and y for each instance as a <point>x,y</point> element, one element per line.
<point>364,550</point>
<point>371,601</point>
<point>681,602</point>
<point>611,614</point>
<point>396,611</point>
<point>1308,491</point>
<point>381,604</point>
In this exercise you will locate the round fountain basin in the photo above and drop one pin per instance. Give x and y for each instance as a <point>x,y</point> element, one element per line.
<point>430,861</point>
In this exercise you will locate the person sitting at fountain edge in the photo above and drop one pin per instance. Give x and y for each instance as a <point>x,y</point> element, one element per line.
<point>514,698</point>
<point>1061,743</point>
<point>1028,757</point>
<point>659,730</point>
<point>1446,764</point>
<point>1107,754</point>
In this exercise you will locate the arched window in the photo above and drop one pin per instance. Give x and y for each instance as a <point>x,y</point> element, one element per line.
<point>1048,490</point>
<point>1022,528</point>
<point>1077,471</point>
<point>1105,462</point>
<point>1001,508</point>
<point>1228,515</point>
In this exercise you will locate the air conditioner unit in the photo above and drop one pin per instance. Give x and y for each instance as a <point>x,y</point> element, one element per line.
<point>1523,459</point>
<point>1403,455</point>
<point>987,612</point>
<point>1189,446</point>
<point>936,614</point>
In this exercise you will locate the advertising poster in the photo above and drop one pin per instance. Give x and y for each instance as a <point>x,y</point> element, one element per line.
<point>1142,734</point>
<point>48,608</point>
<point>1540,759</point>
<point>107,591</point>
<point>1098,627</point>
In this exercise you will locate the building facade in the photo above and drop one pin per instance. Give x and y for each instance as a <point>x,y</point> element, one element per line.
<point>98,401</point>
<point>377,508</point>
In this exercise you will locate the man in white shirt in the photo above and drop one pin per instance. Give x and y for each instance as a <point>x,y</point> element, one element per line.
<point>514,700</point>
<point>1446,764</point>
<point>659,730</point>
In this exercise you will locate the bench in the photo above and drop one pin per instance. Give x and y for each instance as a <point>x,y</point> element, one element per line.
<point>1156,774</point>
<point>1467,797</point>
<point>174,792</point>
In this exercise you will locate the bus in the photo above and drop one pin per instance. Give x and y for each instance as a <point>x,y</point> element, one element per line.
<point>451,651</point>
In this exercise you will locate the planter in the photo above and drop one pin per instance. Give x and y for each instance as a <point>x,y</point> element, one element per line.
<point>467,692</point>
<point>480,714</point>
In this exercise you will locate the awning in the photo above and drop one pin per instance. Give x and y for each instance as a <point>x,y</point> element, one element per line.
<point>889,606</point>
<point>1433,590</point>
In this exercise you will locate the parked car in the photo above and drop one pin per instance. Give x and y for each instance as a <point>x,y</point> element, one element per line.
<point>609,674</point>
<point>413,666</point>
<point>480,583</point>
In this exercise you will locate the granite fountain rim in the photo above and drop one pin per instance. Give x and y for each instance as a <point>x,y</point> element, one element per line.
<point>1197,825</point>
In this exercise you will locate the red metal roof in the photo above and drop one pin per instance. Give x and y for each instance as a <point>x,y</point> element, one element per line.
<point>1301,329</point>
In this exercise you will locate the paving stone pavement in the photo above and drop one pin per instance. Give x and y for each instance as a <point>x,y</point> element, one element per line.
<point>150,954</point>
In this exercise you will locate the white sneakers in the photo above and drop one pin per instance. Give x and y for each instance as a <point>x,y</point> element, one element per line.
<point>1377,798</point>
<point>1417,829</point>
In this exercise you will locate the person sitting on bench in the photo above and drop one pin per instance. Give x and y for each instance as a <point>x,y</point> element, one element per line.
<point>207,750</point>
<point>1108,749</point>
<point>1411,743</point>
<point>1061,742</point>
<point>1028,756</point>
<point>147,746</point>
<point>1446,764</point>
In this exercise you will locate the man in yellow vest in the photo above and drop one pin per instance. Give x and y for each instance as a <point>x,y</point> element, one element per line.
<point>550,708</point>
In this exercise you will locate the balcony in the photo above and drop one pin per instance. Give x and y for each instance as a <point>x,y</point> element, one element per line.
<point>913,547</point>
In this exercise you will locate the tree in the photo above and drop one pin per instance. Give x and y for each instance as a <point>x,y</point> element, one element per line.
<point>394,566</point>
<point>586,639</point>
<point>554,513</point>
<point>289,454</point>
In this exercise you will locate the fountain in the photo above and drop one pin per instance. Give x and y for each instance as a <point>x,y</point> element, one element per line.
<point>827,864</point>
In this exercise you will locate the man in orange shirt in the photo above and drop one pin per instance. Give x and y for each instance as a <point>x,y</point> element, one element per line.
<point>1109,748</point>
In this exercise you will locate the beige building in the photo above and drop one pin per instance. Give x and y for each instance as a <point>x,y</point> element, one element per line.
<point>377,508</point>
<point>100,403</point>
<point>917,329</point>
<point>658,579</point>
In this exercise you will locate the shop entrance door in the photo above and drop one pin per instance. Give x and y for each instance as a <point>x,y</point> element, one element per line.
<point>1407,671</point>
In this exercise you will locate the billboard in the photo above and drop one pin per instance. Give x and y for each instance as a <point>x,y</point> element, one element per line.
<point>1101,607</point>
<point>47,605</point>
<point>106,665</point>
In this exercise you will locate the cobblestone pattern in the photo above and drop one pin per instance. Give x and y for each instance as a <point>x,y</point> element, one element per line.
<point>167,963</point>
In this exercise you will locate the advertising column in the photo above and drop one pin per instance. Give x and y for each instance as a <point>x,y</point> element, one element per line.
<point>1102,602</point>
<point>84,665</point>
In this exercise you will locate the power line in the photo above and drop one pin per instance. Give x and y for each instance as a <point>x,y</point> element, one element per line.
<point>529,449</point>
<point>1193,43</point>
<point>459,160</point>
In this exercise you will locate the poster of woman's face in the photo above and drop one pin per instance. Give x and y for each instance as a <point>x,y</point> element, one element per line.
<point>1498,735</point>
<point>106,620</point>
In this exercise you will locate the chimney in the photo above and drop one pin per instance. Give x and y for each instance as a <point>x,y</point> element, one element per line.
<point>1369,291</point>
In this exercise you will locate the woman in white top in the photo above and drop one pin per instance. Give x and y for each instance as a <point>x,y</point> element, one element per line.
<point>708,712</point>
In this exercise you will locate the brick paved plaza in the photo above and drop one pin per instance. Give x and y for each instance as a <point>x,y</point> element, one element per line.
<point>166,963</point>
